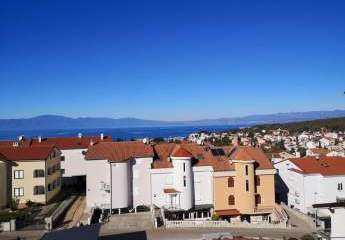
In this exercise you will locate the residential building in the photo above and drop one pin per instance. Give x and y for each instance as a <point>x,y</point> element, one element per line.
<point>118,175</point>
<point>183,180</point>
<point>312,180</point>
<point>72,154</point>
<point>244,185</point>
<point>34,172</point>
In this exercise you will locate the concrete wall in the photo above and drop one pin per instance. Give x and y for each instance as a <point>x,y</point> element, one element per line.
<point>337,224</point>
<point>141,174</point>
<point>121,188</point>
<point>74,163</point>
<point>183,170</point>
<point>222,191</point>
<point>161,179</point>
<point>3,184</point>
<point>266,190</point>
<point>97,180</point>
<point>203,185</point>
<point>245,199</point>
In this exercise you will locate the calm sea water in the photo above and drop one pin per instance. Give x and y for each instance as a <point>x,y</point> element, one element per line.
<point>123,133</point>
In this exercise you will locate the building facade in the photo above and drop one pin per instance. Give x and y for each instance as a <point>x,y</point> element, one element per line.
<point>312,180</point>
<point>34,173</point>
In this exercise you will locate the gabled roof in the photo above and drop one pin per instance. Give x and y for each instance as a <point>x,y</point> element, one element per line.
<point>326,166</point>
<point>23,153</point>
<point>118,151</point>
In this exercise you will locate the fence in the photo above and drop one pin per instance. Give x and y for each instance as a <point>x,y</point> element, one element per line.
<point>220,224</point>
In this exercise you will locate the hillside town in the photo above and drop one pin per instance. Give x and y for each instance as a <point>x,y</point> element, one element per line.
<point>247,179</point>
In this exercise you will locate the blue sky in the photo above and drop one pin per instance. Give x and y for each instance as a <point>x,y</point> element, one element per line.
<point>170,60</point>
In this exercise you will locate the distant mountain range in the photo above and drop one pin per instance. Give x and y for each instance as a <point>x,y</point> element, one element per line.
<point>61,122</point>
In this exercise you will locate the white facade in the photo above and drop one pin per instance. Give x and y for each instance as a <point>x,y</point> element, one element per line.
<point>98,184</point>
<point>308,189</point>
<point>183,180</point>
<point>163,178</point>
<point>120,185</point>
<point>203,185</point>
<point>74,163</point>
<point>141,171</point>
<point>337,223</point>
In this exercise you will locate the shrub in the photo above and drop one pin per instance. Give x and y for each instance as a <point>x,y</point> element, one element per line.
<point>307,237</point>
<point>14,204</point>
<point>215,217</point>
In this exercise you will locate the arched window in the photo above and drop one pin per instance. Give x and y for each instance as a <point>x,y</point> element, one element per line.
<point>231,200</point>
<point>231,182</point>
<point>257,199</point>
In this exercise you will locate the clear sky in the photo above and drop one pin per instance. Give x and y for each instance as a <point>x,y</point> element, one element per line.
<point>171,60</point>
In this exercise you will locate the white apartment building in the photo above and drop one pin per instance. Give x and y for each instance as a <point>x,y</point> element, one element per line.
<point>311,180</point>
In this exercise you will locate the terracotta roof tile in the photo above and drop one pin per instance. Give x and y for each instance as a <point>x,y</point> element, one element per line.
<point>180,152</point>
<point>118,151</point>
<point>326,166</point>
<point>26,153</point>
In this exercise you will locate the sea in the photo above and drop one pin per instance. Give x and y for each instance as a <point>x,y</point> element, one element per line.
<point>118,133</point>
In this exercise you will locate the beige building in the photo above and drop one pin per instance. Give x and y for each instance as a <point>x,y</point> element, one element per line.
<point>34,172</point>
<point>244,185</point>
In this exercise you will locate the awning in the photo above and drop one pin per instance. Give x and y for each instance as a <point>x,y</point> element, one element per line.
<point>170,190</point>
<point>228,212</point>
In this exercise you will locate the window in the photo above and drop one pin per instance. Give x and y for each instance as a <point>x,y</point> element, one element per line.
<point>49,171</point>
<point>62,158</point>
<point>247,186</point>
<point>18,192</point>
<point>38,173</point>
<point>62,171</point>
<point>231,200</point>
<point>184,181</point>
<point>184,167</point>
<point>340,186</point>
<point>49,187</point>
<point>18,174</point>
<point>230,182</point>
<point>246,170</point>
<point>39,190</point>
<point>257,199</point>
<point>257,180</point>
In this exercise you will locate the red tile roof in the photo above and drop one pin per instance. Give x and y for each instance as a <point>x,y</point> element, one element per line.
<point>180,152</point>
<point>326,166</point>
<point>118,151</point>
<point>204,156</point>
<point>245,153</point>
<point>63,143</point>
<point>72,142</point>
<point>2,157</point>
<point>26,153</point>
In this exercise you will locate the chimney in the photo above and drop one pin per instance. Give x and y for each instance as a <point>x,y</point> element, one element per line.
<point>80,135</point>
<point>39,139</point>
<point>102,136</point>
<point>317,157</point>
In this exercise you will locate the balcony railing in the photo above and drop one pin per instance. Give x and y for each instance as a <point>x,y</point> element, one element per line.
<point>172,206</point>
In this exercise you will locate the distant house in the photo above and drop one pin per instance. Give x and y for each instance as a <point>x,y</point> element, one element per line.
<point>312,180</point>
<point>34,172</point>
